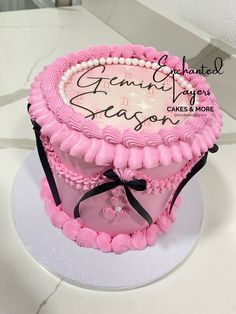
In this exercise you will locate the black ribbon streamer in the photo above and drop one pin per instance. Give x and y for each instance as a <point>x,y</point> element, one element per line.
<point>198,166</point>
<point>137,185</point>
<point>44,162</point>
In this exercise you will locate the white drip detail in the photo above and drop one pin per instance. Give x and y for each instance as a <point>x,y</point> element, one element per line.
<point>123,61</point>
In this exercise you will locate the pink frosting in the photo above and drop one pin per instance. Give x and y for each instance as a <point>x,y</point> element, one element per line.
<point>139,240</point>
<point>112,135</point>
<point>71,229</point>
<point>87,237</point>
<point>103,241</point>
<point>127,174</point>
<point>152,234</point>
<point>123,149</point>
<point>59,219</point>
<point>121,243</point>
<point>164,222</point>
<point>111,214</point>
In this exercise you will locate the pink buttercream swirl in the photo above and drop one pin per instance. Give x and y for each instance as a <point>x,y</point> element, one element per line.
<point>208,118</point>
<point>152,233</point>
<point>104,51</point>
<point>112,135</point>
<point>113,215</point>
<point>160,54</point>
<point>127,174</point>
<point>91,129</point>
<point>71,228</point>
<point>76,121</point>
<point>174,62</point>
<point>197,124</point>
<point>186,134</point>
<point>164,222</point>
<point>86,237</point>
<point>139,240</point>
<point>127,51</point>
<point>138,51</point>
<point>108,213</point>
<point>103,241</point>
<point>71,59</point>
<point>152,139</point>
<point>64,113</point>
<point>93,52</point>
<point>132,139</point>
<point>116,51</point>
<point>121,243</point>
<point>82,56</point>
<point>169,136</point>
<point>118,192</point>
<point>150,54</point>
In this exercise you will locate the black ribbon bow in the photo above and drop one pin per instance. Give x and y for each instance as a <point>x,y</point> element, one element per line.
<point>137,185</point>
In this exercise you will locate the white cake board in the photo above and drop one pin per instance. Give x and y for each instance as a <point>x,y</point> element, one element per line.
<point>91,268</point>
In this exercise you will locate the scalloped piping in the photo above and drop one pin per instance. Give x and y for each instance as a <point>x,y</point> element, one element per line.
<point>77,180</point>
<point>193,137</point>
<point>86,237</point>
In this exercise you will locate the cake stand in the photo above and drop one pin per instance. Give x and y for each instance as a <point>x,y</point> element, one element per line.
<point>91,268</point>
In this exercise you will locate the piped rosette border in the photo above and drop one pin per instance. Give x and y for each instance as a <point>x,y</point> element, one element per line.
<point>86,237</point>
<point>83,138</point>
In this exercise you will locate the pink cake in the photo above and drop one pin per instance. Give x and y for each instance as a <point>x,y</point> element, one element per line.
<point>120,130</point>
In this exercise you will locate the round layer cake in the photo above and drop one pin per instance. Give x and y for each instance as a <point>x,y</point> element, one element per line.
<point>121,127</point>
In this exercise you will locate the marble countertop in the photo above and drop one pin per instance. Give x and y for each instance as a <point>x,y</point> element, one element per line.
<point>205,283</point>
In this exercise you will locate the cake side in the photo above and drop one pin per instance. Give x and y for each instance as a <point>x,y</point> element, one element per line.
<point>110,211</point>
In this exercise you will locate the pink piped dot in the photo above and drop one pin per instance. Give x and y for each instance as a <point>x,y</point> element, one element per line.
<point>104,242</point>
<point>121,243</point>
<point>85,187</point>
<point>86,237</point>
<point>152,234</point>
<point>164,223</point>
<point>50,208</point>
<point>139,240</point>
<point>71,228</point>
<point>172,214</point>
<point>58,219</point>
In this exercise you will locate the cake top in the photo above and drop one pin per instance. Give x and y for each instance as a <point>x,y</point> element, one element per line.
<point>125,104</point>
<point>126,93</point>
